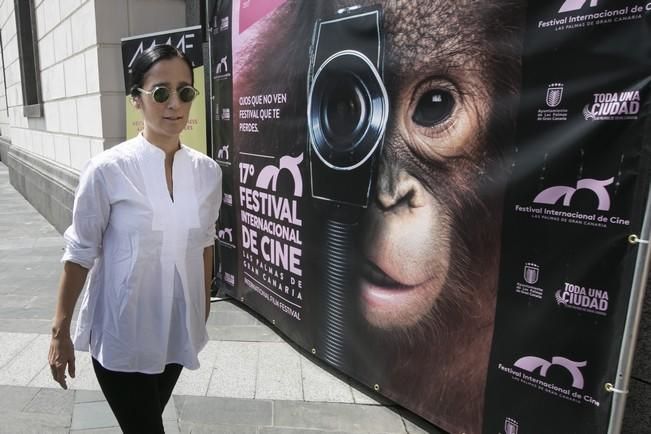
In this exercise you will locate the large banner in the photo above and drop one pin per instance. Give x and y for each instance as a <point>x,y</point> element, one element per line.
<point>436,197</point>
<point>188,41</point>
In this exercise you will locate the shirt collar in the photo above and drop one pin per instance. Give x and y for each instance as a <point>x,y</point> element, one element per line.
<point>152,149</point>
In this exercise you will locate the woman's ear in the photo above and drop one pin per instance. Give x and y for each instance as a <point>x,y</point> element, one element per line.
<point>135,101</point>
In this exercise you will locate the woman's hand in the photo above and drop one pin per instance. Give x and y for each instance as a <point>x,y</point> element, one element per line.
<point>62,351</point>
<point>62,354</point>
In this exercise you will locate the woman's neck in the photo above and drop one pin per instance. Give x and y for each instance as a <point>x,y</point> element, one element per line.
<point>169,145</point>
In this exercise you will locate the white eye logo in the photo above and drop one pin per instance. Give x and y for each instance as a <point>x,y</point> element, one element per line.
<point>575,5</point>
<point>553,195</point>
<point>268,177</point>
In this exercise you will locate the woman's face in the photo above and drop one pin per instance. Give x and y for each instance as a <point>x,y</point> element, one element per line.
<point>165,121</point>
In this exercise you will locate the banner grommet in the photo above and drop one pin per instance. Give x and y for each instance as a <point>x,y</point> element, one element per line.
<point>610,388</point>
<point>634,239</point>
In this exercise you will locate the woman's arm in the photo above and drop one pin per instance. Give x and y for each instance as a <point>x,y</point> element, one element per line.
<point>62,352</point>
<point>207,271</point>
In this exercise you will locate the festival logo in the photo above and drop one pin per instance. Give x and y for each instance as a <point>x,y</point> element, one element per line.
<point>223,154</point>
<point>578,297</point>
<point>553,195</point>
<point>222,70</point>
<point>578,14</point>
<point>613,106</point>
<point>226,236</point>
<point>222,66</point>
<point>562,195</point>
<point>536,372</point>
<point>533,364</point>
<point>553,99</point>
<point>575,5</point>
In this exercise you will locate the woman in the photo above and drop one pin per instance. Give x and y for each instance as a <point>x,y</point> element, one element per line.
<point>144,223</point>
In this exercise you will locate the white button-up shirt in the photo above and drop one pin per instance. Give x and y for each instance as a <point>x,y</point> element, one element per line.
<point>144,306</point>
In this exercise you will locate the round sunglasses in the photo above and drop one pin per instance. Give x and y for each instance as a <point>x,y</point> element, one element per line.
<point>160,94</point>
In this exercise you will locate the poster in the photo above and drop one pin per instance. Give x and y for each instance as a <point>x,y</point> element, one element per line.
<point>582,171</point>
<point>188,41</point>
<point>435,197</point>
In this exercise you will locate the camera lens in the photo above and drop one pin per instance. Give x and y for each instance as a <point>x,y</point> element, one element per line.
<point>344,111</point>
<point>347,110</point>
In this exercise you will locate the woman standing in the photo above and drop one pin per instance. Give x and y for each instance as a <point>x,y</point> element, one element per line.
<point>144,224</point>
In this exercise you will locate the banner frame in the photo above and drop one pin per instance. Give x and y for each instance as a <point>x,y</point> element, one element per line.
<point>631,327</point>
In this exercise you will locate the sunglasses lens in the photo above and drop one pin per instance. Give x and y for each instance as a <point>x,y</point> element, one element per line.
<point>187,94</point>
<point>161,94</point>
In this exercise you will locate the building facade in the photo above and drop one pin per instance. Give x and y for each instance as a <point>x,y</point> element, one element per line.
<point>62,97</point>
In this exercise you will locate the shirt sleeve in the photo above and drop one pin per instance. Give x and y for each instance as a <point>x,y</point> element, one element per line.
<point>213,202</point>
<point>90,216</point>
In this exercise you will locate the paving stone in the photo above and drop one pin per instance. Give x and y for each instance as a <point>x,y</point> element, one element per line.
<point>113,430</point>
<point>27,364</point>
<point>34,326</point>
<point>171,427</point>
<point>234,374</point>
<point>196,382</point>
<point>227,305</point>
<point>275,430</point>
<point>169,413</point>
<point>88,396</point>
<point>337,417</point>
<point>51,401</point>
<point>225,411</point>
<point>196,428</point>
<point>230,318</point>
<point>364,395</point>
<point>13,423</point>
<point>417,425</point>
<point>320,385</point>
<point>92,415</point>
<point>254,333</point>
<point>12,344</point>
<point>14,398</point>
<point>279,373</point>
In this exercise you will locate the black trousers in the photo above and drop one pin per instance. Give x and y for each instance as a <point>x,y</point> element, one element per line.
<point>136,399</point>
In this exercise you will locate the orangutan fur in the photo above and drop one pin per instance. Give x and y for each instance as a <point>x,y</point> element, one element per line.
<point>437,200</point>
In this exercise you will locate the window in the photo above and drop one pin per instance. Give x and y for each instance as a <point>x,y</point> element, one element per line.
<point>28,51</point>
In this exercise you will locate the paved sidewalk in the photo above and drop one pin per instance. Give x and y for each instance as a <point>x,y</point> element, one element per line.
<point>250,381</point>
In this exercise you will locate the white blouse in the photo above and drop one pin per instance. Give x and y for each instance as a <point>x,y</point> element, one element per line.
<point>144,306</point>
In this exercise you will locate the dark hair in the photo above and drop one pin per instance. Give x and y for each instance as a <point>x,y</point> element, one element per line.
<point>149,58</point>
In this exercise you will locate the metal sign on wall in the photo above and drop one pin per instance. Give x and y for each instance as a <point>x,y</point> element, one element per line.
<point>188,41</point>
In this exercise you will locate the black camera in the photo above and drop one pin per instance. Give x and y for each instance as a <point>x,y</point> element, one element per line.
<point>347,113</point>
<point>348,106</point>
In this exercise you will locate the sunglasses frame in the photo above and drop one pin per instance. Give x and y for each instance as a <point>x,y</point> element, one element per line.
<point>171,92</point>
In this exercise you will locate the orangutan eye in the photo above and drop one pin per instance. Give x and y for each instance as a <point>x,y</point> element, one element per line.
<point>433,107</point>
